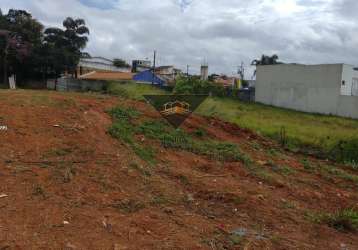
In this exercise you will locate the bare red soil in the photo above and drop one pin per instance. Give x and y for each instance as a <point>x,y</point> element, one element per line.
<point>70,185</point>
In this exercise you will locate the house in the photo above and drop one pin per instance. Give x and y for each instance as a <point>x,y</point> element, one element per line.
<point>148,77</point>
<point>168,73</point>
<point>325,89</point>
<point>90,64</point>
<point>141,65</point>
<point>227,82</point>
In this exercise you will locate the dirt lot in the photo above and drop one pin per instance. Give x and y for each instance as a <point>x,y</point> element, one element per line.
<point>70,185</point>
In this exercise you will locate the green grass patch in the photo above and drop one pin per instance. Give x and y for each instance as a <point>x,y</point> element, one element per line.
<point>342,220</point>
<point>123,129</point>
<point>320,134</point>
<point>333,171</point>
<point>133,90</point>
<point>307,165</point>
<point>346,150</point>
<point>284,170</point>
<point>171,138</point>
<point>303,130</point>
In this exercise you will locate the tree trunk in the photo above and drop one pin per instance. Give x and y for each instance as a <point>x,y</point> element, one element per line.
<point>6,79</point>
<point>5,71</point>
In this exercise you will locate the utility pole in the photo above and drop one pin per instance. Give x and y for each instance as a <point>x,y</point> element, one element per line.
<point>241,71</point>
<point>155,55</point>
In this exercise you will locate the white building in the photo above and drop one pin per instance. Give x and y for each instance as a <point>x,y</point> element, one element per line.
<point>326,89</point>
<point>141,65</point>
<point>99,63</point>
<point>168,73</point>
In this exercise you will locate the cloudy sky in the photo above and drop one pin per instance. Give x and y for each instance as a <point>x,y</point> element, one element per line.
<point>221,32</point>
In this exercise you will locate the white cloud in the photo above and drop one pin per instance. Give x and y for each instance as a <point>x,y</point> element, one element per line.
<point>223,32</point>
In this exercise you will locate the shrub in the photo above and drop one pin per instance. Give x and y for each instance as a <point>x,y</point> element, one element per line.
<point>117,90</point>
<point>193,85</point>
<point>122,131</point>
<point>346,151</point>
<point>123,113</point>
<point>343,220</point>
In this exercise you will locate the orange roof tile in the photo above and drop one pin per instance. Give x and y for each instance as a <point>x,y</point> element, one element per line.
<point>97,75</point>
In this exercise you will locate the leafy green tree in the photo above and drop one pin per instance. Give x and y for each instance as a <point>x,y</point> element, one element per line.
<point>20,35</point>
<point>120,63</point>
<point>266,60</point>
<point>66,45</point>
<point>30,53</point>
<point>193,85</point>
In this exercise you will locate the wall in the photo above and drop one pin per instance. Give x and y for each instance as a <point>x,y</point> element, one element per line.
<point>308,88</point>
<point>347,76</point>
<point>312,88</point>
<point>69,84</point>
<point>348,106</point>
<point>98,63</point>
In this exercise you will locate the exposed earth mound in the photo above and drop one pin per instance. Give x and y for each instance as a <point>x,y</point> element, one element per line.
<point>85,171</point>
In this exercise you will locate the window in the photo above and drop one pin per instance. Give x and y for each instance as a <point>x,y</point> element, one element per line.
<point>343,83</point>
<point>355,87</point>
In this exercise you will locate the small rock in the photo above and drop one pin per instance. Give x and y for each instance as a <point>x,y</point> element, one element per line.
<point>66,222</point>
<point>261,197</point>
<point>168,211</point>
<point>344,246</point>
<point>260,183</point>
<point>262,163</point>
<point>70,246</point>
<point>318,195</point>
<point>119,247</point>
<point>239,232</point>
<point>190,197</point>
<point>3,195</point>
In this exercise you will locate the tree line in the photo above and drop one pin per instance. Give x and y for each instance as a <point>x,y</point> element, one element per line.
<point>29,51</point>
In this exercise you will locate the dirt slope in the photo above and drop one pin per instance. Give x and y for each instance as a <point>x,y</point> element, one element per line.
<point>70,185</point>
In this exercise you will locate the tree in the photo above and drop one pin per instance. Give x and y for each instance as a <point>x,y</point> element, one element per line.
<point>266,60</point>
<point>20,34</point>
<point>30,53</point>
<point>66,45</point>
<point>120,63</point>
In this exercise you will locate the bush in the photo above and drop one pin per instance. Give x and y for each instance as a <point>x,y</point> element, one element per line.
<point>344,220</point>
<point>119,113</point>
<point>346,150</point>
<point>193,85</point>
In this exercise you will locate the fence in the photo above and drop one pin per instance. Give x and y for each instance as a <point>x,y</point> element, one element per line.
<point>70,84</point>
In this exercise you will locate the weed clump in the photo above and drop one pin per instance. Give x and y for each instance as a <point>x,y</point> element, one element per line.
<point>342,220</point>
<point>124,129</point>
<point>128,206</point>
<point>346,150</point>
<point>119,113</point>
<point>178,139</point>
